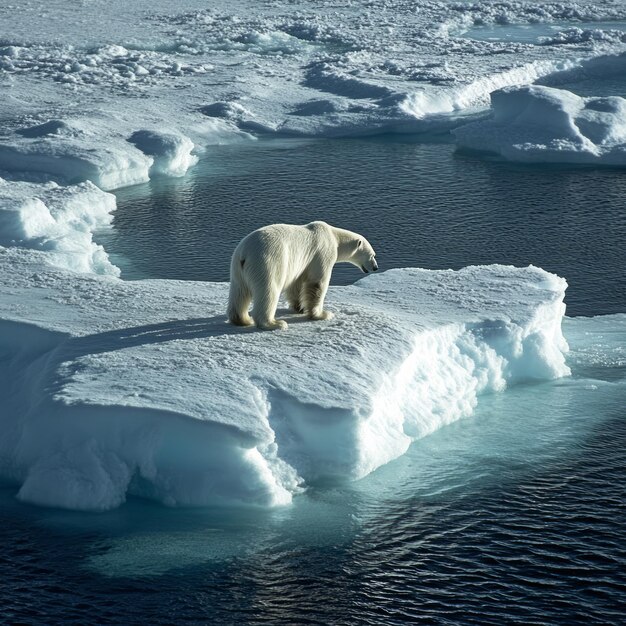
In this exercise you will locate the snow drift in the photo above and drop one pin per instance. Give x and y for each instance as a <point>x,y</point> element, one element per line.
<point>59,220</point>
<point>114,388</point>
<point>73,150</point>
<point>544,124</point>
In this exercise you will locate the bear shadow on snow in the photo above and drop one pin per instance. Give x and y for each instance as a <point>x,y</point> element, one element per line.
<point>196,328</point>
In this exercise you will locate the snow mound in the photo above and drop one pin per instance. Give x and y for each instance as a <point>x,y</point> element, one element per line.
<point>171,151</point>
<point>584,35</point>
<point>71,152</point>
<point>98,149</point>
<point>544,124</point>
<point>114,388</point>
<point>59,220</point>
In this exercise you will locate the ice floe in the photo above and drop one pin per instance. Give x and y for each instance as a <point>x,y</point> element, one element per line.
<point>143,388</point>
<point>543,124</point>
<point>69,150</point>
<point>172,152</point>
<point>58,220</point>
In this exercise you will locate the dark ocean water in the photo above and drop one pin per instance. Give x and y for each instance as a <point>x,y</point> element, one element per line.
<point>418,204</point>
<point>515,515</point>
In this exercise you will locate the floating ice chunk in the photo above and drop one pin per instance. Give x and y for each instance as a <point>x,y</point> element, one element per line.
<point>117,388</point>
<point>57,219</point>
<point>543,124</point>
<point>98,150</point>
<point>171,151</point>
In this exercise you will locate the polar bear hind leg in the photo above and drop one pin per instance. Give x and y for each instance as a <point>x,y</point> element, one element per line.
<point>264,303</point>
<point>314,294</point>
<point>294,296</point>
<point>239,300</point>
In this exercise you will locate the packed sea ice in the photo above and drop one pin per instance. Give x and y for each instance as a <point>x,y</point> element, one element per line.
<point>142,92</point>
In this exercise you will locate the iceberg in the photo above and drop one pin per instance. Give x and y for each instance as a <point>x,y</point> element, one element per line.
<point>538,124</point>
<point>114,388</point>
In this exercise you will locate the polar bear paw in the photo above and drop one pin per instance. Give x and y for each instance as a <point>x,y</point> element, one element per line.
<point>274,325</point>
<point>322,315</point>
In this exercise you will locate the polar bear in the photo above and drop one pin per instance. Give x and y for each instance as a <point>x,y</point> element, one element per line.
<point>297,260</point>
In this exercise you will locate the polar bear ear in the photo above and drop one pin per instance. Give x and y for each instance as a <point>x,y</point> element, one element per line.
<point>357,245</point>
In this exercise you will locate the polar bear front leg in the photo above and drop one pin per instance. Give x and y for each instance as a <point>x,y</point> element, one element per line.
<point>294,296</point>
<point>314,294</point>
<point>264,304</point>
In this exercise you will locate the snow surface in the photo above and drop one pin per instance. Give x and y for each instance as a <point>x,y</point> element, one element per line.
<point>143,388</point>
<point>543,124</point>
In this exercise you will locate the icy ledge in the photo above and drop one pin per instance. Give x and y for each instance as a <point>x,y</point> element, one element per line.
<point>108,151</point>
<point>114,388</point>
<point>58,220</point>
<point>547,125</point>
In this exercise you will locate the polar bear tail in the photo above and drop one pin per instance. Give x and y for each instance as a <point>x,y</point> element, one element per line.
<point>240,296</point>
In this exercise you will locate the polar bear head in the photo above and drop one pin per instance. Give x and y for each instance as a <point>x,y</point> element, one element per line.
<point>363,256</point>
<point>352,248</point>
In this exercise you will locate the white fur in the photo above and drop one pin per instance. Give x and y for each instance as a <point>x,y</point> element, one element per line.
<point>297,260</point>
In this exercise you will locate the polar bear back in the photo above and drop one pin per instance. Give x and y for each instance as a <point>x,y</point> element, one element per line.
<point>287,250</point>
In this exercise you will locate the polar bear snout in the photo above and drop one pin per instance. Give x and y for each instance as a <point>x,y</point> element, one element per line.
<point>369,265</point>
